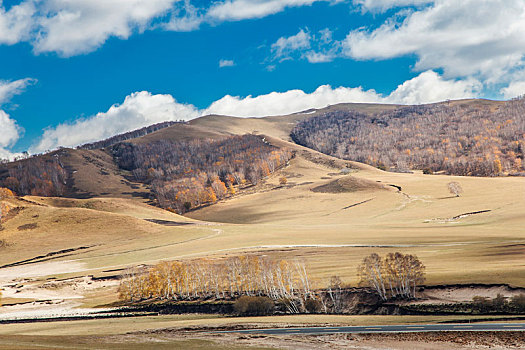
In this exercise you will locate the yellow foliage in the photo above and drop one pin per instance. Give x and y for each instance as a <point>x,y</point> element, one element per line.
<point>497,165</point>
<point>6,193</point>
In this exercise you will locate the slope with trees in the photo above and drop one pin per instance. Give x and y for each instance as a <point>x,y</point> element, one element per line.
<point>188,174</point>
<point>42,175</point>
<point>458,139</point>
<point>127,136</point>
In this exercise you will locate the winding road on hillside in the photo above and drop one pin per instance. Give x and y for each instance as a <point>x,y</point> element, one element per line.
<point>390,328</point>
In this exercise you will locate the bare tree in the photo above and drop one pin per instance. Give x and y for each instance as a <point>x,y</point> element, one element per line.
<point>335,292</point>
<point>371,272</point>
<point>455,188</point>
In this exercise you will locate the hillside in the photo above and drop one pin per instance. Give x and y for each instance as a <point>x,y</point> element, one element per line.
<point>91,171</point>
<point>481,139</point>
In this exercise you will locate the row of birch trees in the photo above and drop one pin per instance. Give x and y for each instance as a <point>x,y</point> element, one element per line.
<point>220,279</point>
<point>396,275</point>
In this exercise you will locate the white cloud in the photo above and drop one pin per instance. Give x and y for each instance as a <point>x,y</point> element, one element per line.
<point>482,38</point>
<point>383,5</point>
<point>515,89</point>
<point>235,10</point>
<point>318,57</point>
<point>138,110</point>
<point>315,48</point>
<point>9,129</point>
<point>427,87</point>
<point>9,135</point>
<point>279,103</point>
<point>184,18</point>
<point>10,88</point>
<point>284,46</point>
<point>16,23</point>
<point>70,27</point>
<point>226,63</point>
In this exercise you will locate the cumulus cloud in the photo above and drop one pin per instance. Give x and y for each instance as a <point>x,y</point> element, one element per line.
<point>482,38</point>
<point>9,129</point>
<point>279,103</point>
<point>226,63</point>
<point>16,23</point>
<point>284,46</point>
<point>184,18</point>
<point>138,110</point>
<point>427,87</point>
<point>318,57</point>
<point>9,135</point>
<point>73,27</point>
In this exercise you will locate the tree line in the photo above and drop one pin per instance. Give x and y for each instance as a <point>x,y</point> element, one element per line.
<point>187,174</point>
<point>38,176</point>
<point>454,139</point>
<point>128,135</point>
<point>220,279</point>
<point>285,282</point>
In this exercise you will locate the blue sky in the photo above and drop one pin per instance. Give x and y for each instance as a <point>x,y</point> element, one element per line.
<point>77,71</point>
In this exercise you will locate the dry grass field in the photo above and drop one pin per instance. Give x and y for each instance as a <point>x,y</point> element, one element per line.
<point>193,332</point>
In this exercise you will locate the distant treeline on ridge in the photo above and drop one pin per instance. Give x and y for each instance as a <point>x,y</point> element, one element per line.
<point>127,136</point>
<point>455,139</point>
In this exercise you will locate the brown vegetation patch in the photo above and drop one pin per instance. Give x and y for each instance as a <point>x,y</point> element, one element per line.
<point>26,227</point>
<point>348,184</point>
<point>12,213</point>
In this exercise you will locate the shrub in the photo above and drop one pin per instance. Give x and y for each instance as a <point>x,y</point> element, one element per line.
<point>481,304</point>
<point>253,306</point>
<point>518,301</point>
<point>312,305</point>
<point>499,302</point>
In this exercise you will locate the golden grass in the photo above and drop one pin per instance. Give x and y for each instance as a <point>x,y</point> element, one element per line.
<point>295,222</point>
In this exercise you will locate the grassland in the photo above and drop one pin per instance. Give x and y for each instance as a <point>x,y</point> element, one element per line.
<point>324,216</point>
